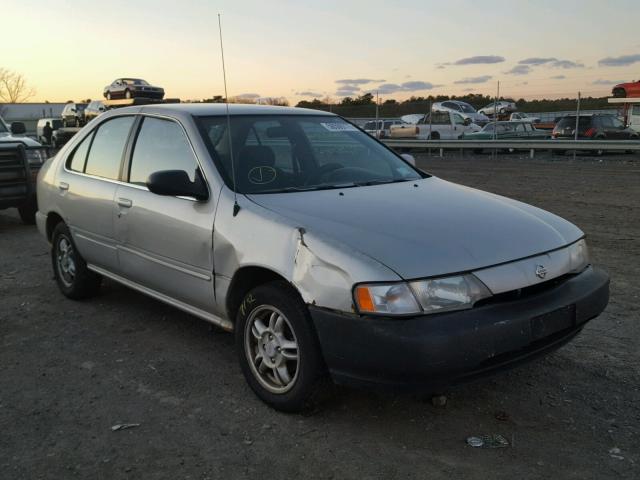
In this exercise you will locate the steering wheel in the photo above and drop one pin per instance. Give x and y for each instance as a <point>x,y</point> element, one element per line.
<point>322,171</point>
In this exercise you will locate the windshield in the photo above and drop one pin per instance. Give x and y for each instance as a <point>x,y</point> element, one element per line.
<point>283,153</point>
<point>134,81</point>
<point>466,108</point>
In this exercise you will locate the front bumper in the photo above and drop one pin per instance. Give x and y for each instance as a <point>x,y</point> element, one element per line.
<point>432,351</point>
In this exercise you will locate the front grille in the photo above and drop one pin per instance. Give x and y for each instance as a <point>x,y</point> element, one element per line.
<point>525,292</point>
<point>14,179</point>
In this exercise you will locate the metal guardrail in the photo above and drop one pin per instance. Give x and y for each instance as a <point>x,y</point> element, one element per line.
<point>531,145</point>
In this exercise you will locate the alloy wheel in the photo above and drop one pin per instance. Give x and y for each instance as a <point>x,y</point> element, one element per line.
<point>271,348</point>
<point>65,260</point>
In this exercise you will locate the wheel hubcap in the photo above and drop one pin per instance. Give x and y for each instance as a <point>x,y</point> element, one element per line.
<point>272,349</point>
<point>66,262</point>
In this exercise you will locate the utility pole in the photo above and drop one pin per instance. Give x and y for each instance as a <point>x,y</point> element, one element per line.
<point>575,135</point>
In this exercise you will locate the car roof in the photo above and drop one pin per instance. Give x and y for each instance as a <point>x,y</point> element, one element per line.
<point>220,109</point>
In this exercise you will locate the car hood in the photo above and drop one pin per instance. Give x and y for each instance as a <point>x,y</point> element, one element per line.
<point>26,141</point>
<point>426,228</point>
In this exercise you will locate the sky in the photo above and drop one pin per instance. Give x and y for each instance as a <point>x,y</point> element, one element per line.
<point>69,50</point>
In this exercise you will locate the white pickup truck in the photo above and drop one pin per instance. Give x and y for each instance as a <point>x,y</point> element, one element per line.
<point>442,126</point>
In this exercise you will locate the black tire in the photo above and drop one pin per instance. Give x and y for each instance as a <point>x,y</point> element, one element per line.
<point>309,365</point>
<point>83,283</point>
<point>28,211</point>
<point>127,94</point>
<point>434,136</point>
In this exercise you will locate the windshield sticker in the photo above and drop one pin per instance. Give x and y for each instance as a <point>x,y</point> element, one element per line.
<point>262,175</point>
<point>339,127</point>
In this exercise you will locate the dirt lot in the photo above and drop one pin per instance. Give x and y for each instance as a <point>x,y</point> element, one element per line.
<point>70,371</point>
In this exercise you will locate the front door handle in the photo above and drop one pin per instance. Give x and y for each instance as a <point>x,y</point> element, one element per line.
<point>63,186</point>
<point>125,202</point>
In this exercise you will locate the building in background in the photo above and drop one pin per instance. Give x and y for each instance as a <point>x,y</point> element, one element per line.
<point>29,113</point>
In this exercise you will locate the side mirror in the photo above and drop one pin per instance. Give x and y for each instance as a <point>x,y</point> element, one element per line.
<point>176,183</point>
<point>409,158</point>
<point>467,121</point>
<point>18,128</point>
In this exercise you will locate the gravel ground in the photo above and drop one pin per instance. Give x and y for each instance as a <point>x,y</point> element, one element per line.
<point>71,370</point>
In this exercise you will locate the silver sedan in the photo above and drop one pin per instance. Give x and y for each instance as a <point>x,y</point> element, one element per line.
<point>326,252</point>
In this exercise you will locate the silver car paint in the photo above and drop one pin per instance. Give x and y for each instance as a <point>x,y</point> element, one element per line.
<point>187,253</point>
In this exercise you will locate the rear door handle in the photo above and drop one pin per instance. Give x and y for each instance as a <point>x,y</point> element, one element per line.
<point>63,186</point>
<point>125,202</point>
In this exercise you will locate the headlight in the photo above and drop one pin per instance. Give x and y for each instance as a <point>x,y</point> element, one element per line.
<point>393,298</point>
<point>423,296</point>
<point>449,293</point>
<point>36,156</point>
<point>579,255</point>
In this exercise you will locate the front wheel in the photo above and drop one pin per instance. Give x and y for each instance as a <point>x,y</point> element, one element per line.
<point>108,95</point>
<point>74,279</point>
<point>277,347</point>
<point>127,94</point>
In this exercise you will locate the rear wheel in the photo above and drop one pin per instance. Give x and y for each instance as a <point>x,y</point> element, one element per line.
<point>277,347</point>
<point>127,94</point>
<point>108,95</point>
<point>74,279</point>
<point>434,136</point>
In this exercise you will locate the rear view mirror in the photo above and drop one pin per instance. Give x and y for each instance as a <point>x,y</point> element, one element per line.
<point>409,158</point>
<point>176,183</point>
<point>18,128</point>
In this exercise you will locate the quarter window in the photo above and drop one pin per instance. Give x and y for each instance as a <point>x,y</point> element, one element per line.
<point>107,148</point>
<point>161,145</point>
<point>79,156</point>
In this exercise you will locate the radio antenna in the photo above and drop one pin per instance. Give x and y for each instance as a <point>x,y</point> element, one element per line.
<point>236,207</point>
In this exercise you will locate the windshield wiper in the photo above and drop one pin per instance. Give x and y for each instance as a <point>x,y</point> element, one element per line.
<point>309,188</point>
<point>381,182</point>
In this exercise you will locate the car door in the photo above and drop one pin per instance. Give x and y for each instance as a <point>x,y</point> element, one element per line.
<point>618,129</point>
<point>87,187</point>
<point>164,243</point>
<point>459,126</point>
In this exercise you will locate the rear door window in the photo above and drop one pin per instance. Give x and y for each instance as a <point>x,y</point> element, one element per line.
<point>105,155</point>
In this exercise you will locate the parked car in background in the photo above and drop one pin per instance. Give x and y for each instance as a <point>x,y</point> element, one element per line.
<point>382,128</point>
<point>500,107</point>
<point>593,127</point>
<point>439,125</point>
<point>21,158</point>
<point>95,108</point>
<point>507,130</point>
<point>54,123</point>
<point>464,109</point>
<point>300,243</point>
<point>73,114</point>
<point>132,88</point>
<point>523,117</point>
<point>630,89</point>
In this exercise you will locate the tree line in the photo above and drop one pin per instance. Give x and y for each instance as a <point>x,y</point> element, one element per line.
<point>364,105</point>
